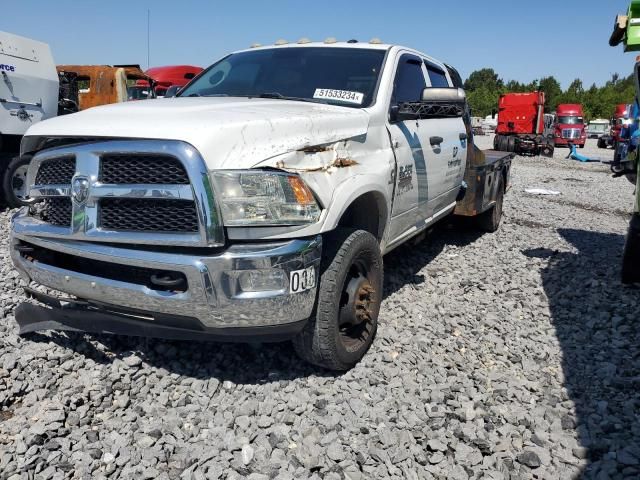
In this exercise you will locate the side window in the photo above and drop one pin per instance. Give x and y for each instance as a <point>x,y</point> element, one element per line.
<point>437,76</point>
<point>409,81</point>
<point>455,77</point>
<point>84,84</point>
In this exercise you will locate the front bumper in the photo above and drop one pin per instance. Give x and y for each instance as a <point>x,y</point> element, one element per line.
<point>567,141</point>
<point>213,295</point>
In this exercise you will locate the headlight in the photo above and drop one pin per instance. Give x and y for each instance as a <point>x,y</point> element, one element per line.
<point>258,197</point>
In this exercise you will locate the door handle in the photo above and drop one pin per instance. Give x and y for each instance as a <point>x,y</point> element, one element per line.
<point>436,141</point>
<point>463,136</point>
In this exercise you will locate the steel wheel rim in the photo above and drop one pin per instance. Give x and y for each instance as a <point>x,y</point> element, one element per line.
<point>357,307</point>
<point>19,182</point>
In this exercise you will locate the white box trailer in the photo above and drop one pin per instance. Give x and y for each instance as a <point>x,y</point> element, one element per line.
<point>28,95</point>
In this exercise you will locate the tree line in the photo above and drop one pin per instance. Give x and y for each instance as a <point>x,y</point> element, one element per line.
<point>485,86</point>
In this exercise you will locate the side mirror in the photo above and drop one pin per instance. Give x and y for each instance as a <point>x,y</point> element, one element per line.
<point>443,95</point>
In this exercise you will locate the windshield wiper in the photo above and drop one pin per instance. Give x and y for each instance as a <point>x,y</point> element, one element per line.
<point>279,96</point>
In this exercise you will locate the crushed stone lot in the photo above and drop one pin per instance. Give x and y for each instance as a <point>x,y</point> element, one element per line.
<point>512,355</point>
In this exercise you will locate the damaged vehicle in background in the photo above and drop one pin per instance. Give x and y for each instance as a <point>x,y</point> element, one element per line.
<point>257,205</point>
<point>105,84</point>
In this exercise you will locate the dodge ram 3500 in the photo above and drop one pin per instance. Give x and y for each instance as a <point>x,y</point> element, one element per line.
<point>256,205</point>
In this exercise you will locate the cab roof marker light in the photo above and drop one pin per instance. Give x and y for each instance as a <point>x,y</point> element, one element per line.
<point>282,41</point>
<point>375,41</point>
<point>255,45</point>
<point>304,40</point>
<point>330,40</point>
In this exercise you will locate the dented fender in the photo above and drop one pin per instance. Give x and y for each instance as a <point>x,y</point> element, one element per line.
<point>340,172</point>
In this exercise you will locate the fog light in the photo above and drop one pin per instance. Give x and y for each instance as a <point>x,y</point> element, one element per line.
<point>261,280</point>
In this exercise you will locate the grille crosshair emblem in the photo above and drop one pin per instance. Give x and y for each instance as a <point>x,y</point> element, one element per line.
<point>80,189</point>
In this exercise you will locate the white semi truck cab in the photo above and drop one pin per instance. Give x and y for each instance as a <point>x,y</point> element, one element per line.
<point>28,95</point>
<point>257,204</point>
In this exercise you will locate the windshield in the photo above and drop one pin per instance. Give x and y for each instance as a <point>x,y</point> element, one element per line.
<point>570,120</point>
<point>340,76</point>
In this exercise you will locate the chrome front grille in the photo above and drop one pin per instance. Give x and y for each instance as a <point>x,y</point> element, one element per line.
<point>56,172</point>
<point>138,191</point>
<point>57,211</point>
<point>148,215</point>
<point>145,169</point>
<point>571,133</point>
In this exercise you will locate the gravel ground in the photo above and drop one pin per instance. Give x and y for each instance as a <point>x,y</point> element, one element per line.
<point>511,355</point>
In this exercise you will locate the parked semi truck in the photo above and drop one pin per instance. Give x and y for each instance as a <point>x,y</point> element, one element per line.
<point>252,206</point>
<point>28,94</point>
<point>598,128</point>
<point>172,76</point>
<point>570,127</point>
<point>521,125</point>
<point>620,116</point>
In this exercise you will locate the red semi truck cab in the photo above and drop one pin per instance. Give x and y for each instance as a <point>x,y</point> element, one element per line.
<point>617,121</point>
<point>521,124</point>
<point>166,77</point>
<point>619,118</point>
<point>570,127</point>
<point>521,113</point>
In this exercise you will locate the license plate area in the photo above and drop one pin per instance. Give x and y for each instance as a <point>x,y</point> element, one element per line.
<point>302,280</point>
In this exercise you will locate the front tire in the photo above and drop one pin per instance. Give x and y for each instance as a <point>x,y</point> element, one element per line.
<point>345,318</point>
<point>14,182</point>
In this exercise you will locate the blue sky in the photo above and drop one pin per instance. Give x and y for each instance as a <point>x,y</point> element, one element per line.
<point>521,40</point>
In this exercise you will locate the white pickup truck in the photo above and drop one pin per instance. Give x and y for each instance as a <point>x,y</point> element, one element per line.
<point>257,204</point>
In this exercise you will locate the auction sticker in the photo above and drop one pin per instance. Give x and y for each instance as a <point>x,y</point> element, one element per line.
<point>339,95</point>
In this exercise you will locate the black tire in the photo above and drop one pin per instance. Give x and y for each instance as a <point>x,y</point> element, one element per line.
<point>501,143</point>
<point>14,182</point>
<point>601,143</point>
<point>581,146</point>
<point>495,142</point>
<point>546,150</point>
<point>341,330</point>
<point>489,221</point>
<point>631,255</point>
<point>511,144</point>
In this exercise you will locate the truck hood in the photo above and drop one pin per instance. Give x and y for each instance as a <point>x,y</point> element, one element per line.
<point>228,132</point>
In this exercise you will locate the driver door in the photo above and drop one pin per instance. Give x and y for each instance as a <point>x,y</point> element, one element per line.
<point>409,140</point>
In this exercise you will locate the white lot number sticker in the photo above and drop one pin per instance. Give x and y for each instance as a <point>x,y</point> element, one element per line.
<point>301,280</point>
<point>339,95</point>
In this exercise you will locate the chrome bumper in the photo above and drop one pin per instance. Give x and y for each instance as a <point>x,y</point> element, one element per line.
<point>213,295</point>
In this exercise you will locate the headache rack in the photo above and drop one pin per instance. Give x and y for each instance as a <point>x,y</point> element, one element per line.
<point>419,110</point>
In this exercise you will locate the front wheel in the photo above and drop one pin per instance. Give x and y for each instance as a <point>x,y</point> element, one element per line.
<point>345,319</point>
<point>14,182</point>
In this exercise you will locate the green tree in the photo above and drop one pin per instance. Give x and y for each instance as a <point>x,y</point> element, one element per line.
<point>552,91</point>
<point>486,78</point>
